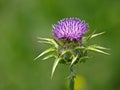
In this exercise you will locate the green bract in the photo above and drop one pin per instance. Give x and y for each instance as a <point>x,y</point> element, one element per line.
<point>70,53</point>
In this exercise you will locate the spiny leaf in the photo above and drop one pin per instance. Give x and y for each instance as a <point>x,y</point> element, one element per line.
<point>54,66</point>
<point>74,59</point>
<point>55,44</point>
<point>83,58</point>
<point>96,50</point>
<point>65,51</point>
<point>93,35</point>
<point>97,34</point>
<point>58,42</point>
<point>47,57</point>
<point>49,40</point>
<point>79,47</point>
<point>89,37</point>
<point>44,39</point>
<point>100,47</point>
<point>45,52</point>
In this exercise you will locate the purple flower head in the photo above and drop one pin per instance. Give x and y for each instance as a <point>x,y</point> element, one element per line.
<point>71,29</point>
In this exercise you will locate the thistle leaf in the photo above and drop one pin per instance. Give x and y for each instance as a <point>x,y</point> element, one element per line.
<point>97,34</point>
<point>100,47</point>
<point>89,37</point>
<point>55,44</point>
<point>74,59</point>
<point>94,35</point>
<point>82,59</point>
<point>49,40</point>
<point>58,42</point>
<point>44,39</point>
<point>65,51</point>
<point>47,57</point>
<point>79,47</point>
<point>54,66</point>
<point>45,52</point>
<point>91,48</point>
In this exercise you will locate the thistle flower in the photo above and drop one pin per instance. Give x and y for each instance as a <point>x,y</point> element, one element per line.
<point>64,48</point>
<point>71,29</point>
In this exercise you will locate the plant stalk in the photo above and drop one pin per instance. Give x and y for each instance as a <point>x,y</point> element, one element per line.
<point>72,77</point>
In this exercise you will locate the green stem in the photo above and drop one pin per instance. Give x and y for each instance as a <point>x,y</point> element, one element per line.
<point>72,77</point>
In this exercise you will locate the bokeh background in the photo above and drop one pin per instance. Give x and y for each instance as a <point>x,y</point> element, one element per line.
<point>21,21</point>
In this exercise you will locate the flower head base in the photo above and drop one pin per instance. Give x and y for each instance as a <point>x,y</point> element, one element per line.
<point>71,29</point>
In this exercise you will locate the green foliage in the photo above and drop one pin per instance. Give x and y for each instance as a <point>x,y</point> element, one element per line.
<point>97,34</point>
<point>56,61</point>
<point>74,59</point>
<point>45,52</point>
<point>93,35</point>
<point>48,57</point>
<point>47,40</point>
<point>84,58</point>
<point>97,49</point>
<point>70,52</point>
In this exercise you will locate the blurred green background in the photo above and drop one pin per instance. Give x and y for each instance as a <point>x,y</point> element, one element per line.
<point>21,21</point>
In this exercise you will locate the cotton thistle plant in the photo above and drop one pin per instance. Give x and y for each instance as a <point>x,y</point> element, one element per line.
<point>69,45</point>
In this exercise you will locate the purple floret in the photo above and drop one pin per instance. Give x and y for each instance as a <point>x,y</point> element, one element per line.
<point>71,29</point>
